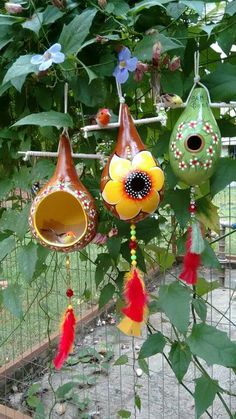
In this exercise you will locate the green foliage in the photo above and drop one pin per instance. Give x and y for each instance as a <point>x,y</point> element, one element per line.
<point>203,286</point>
<point>12,299</point>
<point>122,360</point>
<point>32,110</point>
<point>212,345</point>
<point>174,301</point>
<point>154,344</point>
<point>180,358</point>
<point>204,395</point>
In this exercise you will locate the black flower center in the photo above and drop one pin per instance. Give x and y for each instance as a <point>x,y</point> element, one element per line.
<point>138,185</point>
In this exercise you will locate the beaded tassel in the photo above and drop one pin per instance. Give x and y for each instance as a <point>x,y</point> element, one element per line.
<point>67,327</point>
<point>135,295</point>
<point>194,245</point>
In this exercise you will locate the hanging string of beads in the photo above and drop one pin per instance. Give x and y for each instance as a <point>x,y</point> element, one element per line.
<point>133,245</point>
<point>68,325</point>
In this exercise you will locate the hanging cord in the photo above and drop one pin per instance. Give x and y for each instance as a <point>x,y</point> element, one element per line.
<point>197,77</point>
<point>65,129</point>
<point>121,98</point>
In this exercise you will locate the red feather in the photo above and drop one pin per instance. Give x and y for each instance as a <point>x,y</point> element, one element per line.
<point>135,296</point>
<point>191,263</point>
<point>67,338</point>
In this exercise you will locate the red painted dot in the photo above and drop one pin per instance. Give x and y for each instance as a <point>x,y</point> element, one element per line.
<point>69,293</point>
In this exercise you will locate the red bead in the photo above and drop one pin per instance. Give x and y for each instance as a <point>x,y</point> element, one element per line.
<point>69,292</point>
<point>192,208</point>
<point>133,245</point>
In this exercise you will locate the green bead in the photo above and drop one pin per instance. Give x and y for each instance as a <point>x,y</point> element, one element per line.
<point>133,257</point>
<point>133,232</point>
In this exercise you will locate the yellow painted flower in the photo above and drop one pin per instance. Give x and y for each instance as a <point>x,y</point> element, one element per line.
<point>134,185</point>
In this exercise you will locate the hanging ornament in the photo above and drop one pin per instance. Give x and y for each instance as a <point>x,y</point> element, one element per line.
<point>63,215</point>
<point>132,181</point>
<point>67,327</point>
<point>195,148</point>
<point>195,143</point>
<point>131,185</point>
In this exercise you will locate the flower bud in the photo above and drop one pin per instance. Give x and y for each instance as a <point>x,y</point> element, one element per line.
<point>156,54</point>
<point>101,39</point>
<point>174,64</point>
<point>13,8</point>
<point>165,61</point>
<point>102,3</point>
<point>140,70</point>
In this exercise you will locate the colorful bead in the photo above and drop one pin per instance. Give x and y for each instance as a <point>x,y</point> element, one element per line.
<point>192,208</point>
<point>132,232</point>
<point>69,293</point>
<point>132,227</point>
<point>134,262</point>
<point>133,245</point>
<point>133,238</point>
<point>133,251</point>
<point>133,257</point>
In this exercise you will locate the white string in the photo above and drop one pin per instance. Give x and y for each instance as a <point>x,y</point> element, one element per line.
<point>197,79</point>
<point>119,92</point>
<point>65,129</point>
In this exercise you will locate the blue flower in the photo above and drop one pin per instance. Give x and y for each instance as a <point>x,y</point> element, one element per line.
<point>126,64</point>
<point>52,55</point>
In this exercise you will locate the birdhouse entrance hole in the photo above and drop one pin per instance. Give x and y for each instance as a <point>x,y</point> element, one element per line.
<point>60,219</point>
<point>194,143</point>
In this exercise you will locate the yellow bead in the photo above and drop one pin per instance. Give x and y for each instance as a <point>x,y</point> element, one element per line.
<point>132,227</point>
<point>133,252</point>
<point>134,262</point>
<point>133,238</point>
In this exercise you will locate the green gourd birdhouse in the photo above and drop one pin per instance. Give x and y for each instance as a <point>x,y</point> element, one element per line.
<point>195,143</point>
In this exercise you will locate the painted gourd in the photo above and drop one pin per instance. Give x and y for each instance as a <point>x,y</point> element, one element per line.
<point>132,181</point>
<point>195,143</point>
<point>63,215</point>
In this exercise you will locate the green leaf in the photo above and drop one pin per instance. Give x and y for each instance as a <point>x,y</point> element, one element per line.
<point>124,413</point>
<point>197,6</point>
<point>122,360</point>
<point>208,257</point>
<point>12,300</point>
<point>106,294</point>
<point>143,49</point>
<point>179,201</point>
<point>205,392</point>
<point>6,246</point>
<point>222,83</point>
<point>147,4</point>
<point>172,82</point>
<point>113,246</point>
<point>212,345</point>
<point>91,94</point>
<point>164,258</point>
<point>43,169</point>
<point>207,213</point>
<point>5,188</point>
<point>230,8</point>
<point>46,119</point>
<point>19,70</point>
<point>15,221</point>
<point>5,37</point>
<point>203,286</point>
<point>137,401</point>
<point>34,23</point>
<point>154,344</point>
<point>33,389</point>
<point>10,20</point>
<point>201,308</point>
<point>224,174</point>
<point>117,7</point>
<point>103,263</point>
<point>64,392</point>
<point>175,10</point>
<point>174,301</point>
<point>143,365</point>
<point>180,358</point>
<point>74,34</point>
<point>33,401</point>
<point>27,259</point>
<point>51,14</point>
